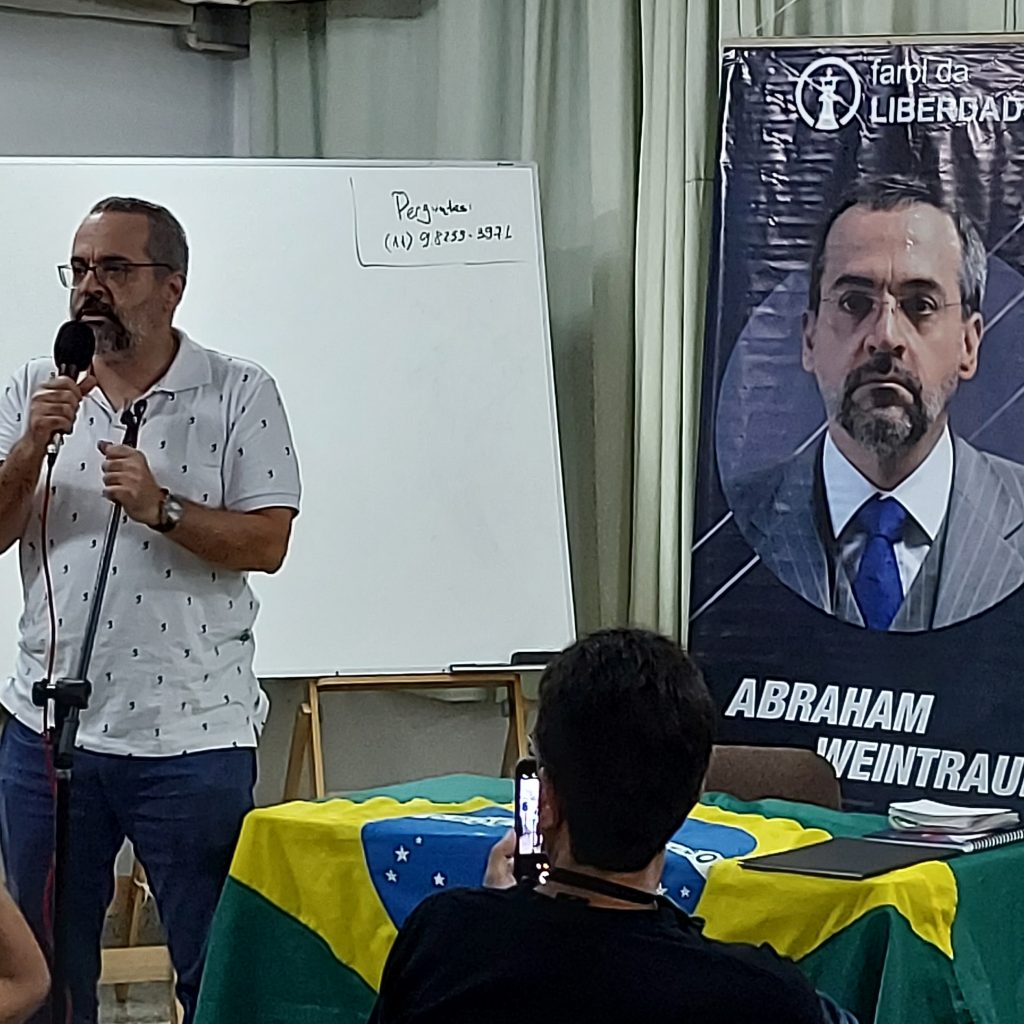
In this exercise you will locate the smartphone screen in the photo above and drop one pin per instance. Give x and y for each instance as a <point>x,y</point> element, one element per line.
<point>530,861</point>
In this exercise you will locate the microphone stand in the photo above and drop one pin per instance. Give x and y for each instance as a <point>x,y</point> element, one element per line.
<point>70,698</point>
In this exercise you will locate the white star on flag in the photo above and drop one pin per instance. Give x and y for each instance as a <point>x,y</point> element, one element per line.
<point>661,890</point>
<point>390,875</point>
<point>684,892</point>
<point>402,854</point>
<point>419,840</point>
<point>439,879</point>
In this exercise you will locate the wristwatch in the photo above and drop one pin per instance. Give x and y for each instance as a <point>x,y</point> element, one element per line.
<point>171,511</point>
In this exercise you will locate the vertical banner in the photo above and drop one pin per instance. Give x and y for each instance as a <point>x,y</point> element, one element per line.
<point>858,550</point>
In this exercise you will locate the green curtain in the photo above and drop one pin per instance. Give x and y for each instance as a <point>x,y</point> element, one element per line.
<point>679,64</point>
<point>616,101</point>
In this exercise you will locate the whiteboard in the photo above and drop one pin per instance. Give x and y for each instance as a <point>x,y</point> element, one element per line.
<point>402,310</point>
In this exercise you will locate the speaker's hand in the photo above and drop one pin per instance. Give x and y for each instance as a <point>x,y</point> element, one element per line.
<point>54,407</point>
<point>127,478</point>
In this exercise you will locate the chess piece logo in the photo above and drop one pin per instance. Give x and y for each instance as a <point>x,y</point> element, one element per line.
<point>828,94</point>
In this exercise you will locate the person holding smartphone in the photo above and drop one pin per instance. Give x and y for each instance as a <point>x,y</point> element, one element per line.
<point>622,741</point>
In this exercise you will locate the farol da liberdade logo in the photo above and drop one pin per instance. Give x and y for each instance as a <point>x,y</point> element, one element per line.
<point>828,94</point>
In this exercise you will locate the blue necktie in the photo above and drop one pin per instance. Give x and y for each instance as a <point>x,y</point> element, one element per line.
<point>878,589</point>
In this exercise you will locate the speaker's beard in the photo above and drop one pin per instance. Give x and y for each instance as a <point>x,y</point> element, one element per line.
<point>113,338</point>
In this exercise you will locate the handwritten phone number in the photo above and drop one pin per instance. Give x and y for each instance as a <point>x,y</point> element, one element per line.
<point>406,241</point>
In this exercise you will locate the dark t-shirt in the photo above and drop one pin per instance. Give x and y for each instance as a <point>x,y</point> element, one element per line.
<point>486,956</point>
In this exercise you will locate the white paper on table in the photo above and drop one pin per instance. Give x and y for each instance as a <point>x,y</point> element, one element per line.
<point>916,814</point>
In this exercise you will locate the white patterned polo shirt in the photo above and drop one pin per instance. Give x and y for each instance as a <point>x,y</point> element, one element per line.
<point>172,667</point>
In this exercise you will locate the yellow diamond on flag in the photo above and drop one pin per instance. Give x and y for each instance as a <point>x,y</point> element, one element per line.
<point>795,914</point>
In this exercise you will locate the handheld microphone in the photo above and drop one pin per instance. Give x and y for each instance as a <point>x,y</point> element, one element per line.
<point>72,352</point>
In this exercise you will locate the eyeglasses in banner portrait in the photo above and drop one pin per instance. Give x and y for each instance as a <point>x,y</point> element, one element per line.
<point>858,550</point>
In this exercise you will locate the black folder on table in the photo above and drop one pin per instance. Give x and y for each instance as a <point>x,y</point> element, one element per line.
<point>846,857</point>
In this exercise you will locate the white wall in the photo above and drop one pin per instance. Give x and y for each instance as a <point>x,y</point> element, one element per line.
<point>86,87</point>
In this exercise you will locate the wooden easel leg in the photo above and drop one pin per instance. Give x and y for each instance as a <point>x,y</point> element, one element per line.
<point>316,741</point>
<point>515,738</point>
<point>301,732</point>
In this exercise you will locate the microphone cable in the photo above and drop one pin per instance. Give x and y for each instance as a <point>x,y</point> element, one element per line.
<point>51,772</point>
<point>51,605</point>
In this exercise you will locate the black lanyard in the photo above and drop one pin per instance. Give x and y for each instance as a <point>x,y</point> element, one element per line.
<point>602,886</point>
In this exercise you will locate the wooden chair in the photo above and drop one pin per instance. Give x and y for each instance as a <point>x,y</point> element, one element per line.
<point>788,773</point>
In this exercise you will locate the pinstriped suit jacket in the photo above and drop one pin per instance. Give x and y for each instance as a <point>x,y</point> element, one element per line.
<point>976,561</point>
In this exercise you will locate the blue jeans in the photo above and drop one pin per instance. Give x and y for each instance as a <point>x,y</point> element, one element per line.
<point>182,815</point>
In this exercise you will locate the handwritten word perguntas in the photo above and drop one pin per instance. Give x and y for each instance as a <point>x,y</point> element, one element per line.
<point>424,213</point>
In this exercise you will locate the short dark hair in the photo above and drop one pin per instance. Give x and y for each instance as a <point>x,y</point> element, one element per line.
<point>893,191</point>
<point>166,242</point>
<point>624,732</point>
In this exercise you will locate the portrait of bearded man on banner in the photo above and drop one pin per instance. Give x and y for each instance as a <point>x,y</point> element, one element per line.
<point>890,521</point>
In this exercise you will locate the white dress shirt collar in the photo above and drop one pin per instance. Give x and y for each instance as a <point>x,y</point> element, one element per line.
<point>924,494</point>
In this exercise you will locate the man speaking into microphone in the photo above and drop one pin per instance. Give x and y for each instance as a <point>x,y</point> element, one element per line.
<point>166,748</point>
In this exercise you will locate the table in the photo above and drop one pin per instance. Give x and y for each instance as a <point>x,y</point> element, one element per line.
<point>318,890</point>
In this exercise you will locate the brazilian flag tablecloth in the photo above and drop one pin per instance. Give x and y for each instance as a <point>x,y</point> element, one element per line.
<point>318,891</point>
